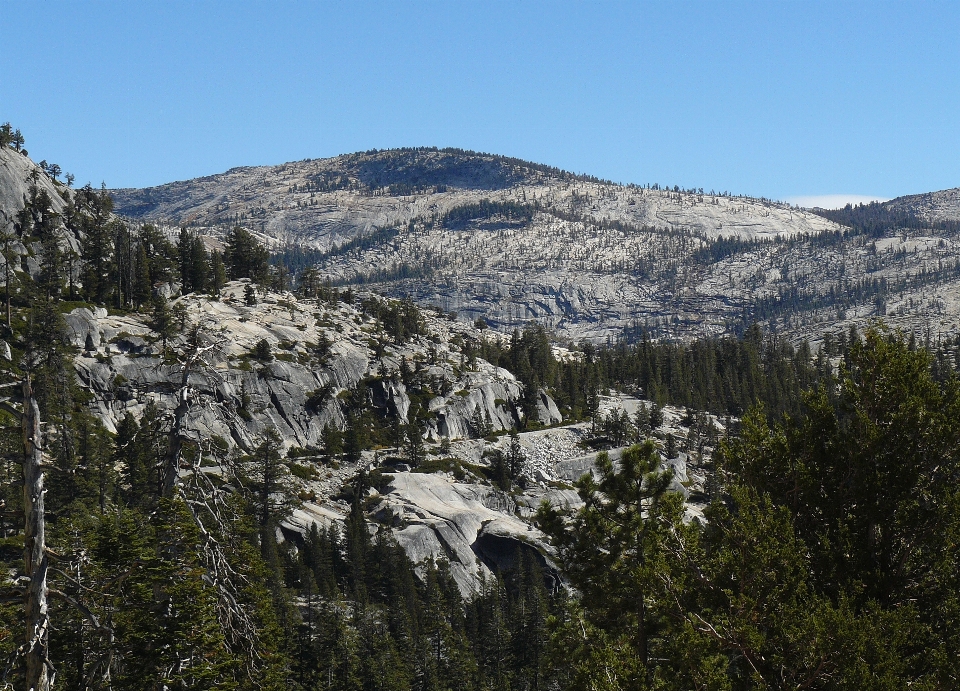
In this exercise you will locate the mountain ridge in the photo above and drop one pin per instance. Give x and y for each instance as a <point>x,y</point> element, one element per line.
<point>447,210</point>
<point>589,259</point>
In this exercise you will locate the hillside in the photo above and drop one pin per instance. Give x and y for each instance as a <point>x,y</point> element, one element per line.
<point>488,236</point>
<point>511,241</point>
<point>306,375</point>
<point>214,481</point>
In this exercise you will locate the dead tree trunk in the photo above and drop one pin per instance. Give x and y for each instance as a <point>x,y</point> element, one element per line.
<point>192,360</point>
<point>171,472</point>
<point>38,668</point>
<point>6,270</point>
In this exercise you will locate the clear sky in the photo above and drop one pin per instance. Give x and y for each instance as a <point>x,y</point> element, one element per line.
<point>777,99</point>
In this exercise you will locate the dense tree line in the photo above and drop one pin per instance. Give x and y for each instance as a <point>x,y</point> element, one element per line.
<point>725,376</point>
<point>427,167</point>
<point>829,561</point>
<point>362,242</point>
<point>513,212</point>
<point>877,219</point>
<point>121,266</point>
<point>722,247</point>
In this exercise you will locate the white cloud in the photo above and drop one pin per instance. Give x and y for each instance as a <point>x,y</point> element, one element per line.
<point>833,201</point>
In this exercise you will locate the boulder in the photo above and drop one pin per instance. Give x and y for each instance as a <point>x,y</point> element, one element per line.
<point>444,518</point>
<point>547,411</point>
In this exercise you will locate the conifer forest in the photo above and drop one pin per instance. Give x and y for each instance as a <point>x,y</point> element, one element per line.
<point>523,435</point>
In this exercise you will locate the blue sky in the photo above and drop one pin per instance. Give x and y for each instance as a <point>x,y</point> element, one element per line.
<point>778,99</point>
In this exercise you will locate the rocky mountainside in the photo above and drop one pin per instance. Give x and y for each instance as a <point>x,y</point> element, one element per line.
<point>274,364</point>
<point>488,236</point>
<point>321,355</point>
<point>17,174</point>
<point>324,202</point>
<point>511,241</point>
<point>932,207</point>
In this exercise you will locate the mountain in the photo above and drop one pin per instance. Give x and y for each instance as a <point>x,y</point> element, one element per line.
<point>490,236</point>
<point>323,202</point>
<point>512,241</point>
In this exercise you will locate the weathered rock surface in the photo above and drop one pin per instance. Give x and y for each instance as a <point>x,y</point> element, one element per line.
<point>440,517</point>
<point>238,398</point>
<point>16,177</point>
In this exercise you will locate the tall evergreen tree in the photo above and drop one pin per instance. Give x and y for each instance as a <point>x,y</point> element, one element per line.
<point>245,257</point>
<point>612,552</point>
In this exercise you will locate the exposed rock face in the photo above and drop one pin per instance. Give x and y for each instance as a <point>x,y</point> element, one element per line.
<point>237,399</point>
<point>489,389</point>
<point>478,528</point>
<point>241,398</point>
<point>439,517</point>
<point>17,174</point>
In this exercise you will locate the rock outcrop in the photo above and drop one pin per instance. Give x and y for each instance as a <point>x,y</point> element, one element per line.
<point>435,516</point>
<point>17,174</point>
<point>296,392</point>
<point>320,353</point>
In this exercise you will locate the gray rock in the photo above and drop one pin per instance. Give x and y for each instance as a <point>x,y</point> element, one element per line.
<point>453,520</point>
<point>83,329</point>
<point>547,410</point>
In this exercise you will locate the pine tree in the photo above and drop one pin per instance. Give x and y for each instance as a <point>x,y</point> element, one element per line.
<point>245,257</point>
<point>194,262</point>
<point>414,447</point>
<point>218,273</point>
<point>611,551</point>
<point>269,481</point>
<point>479,423</point>
<point>641,422</point>
<point>656,416</point>
<point>515,457</point>
<point>143,284</point>
<point>332,442</point>
<point>162,320</point>
<point>98,230</point>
